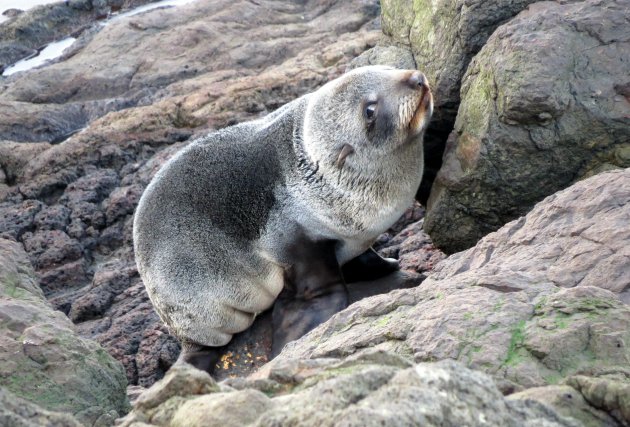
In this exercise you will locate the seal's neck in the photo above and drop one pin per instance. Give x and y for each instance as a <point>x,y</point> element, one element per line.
<point>359,200</point>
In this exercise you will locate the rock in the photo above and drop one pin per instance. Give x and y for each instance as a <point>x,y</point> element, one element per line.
<point>528,305</point>
<point>609,392</point>
<point>177,73</point>
<point>30,31</point>
<point>568,402</point>
<point>543,105</point>
<point>374,390</point>
<point>142,64</point>
<point>19,218</point>
<point>393,56</point>
<point>16,412</point>
<point>413,248</point>
<point>44,361</point>
<point>443,37</point>
<point>50,248</point>
<point>55,217</point>
<point>219,409</point>
<point>12,13</point>
<point>14,156</point>
<point>440,39</point>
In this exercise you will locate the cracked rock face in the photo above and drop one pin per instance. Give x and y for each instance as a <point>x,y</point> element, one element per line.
<point>373,390</point>
<point>443,37</point>
<point>546,102</point>
<point>543,299</point>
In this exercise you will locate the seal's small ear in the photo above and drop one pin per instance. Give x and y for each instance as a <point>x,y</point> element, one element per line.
<point>346,150</point>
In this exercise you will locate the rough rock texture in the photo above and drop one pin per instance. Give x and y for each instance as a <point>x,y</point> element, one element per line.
<point>203,46</point>
<point>16,412</point>
<point>374,390</point>
<point>44,361</point>
<point>28,32</point>
<point>543,298</point>
<point>182,72</point>
<point>609,391</point>
<point>443,37</point>
<point>440,39</point>
<point>568,402</point>
<point>546,102</point>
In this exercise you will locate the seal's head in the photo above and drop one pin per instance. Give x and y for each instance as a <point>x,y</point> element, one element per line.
<point>370,111</point>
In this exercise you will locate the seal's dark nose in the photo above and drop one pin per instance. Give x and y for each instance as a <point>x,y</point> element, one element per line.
<point>417,80</point>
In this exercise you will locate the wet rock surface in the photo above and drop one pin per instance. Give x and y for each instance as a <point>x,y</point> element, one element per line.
<point>45,362</point>
<point>540,306</point>
<point>543,105</point>
<point>27,32</point>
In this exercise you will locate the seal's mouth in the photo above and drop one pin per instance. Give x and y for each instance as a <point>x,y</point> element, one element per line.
<point>422,113</point>
<point>415,110</point>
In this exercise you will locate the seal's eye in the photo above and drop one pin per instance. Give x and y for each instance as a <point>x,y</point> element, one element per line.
<point>370,111</point>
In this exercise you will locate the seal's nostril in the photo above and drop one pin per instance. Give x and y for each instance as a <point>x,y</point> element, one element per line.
<point>416,80</point>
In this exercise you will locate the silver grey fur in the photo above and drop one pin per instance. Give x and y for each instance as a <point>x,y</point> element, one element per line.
<point>213,230</point>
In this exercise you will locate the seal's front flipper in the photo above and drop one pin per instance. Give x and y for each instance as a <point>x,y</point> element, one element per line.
<point>314,291</point>
<point>201,357</point>
<point>368,266</point>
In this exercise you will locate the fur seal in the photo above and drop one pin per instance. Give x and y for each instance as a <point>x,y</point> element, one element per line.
<point>288,203</point>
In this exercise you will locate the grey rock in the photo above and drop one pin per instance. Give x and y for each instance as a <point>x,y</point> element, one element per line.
<point>543,105</point>
<point>375,390</point>
<point>51,248</point>
<point>393,56</point>
<point>44,361</point>
<point>443,37</point>
<point>532,304</point>
<point>56,217</point>
<point>16,412</point>
<point>568,402</point>
<point>17,219</point>
<point>608,391</point>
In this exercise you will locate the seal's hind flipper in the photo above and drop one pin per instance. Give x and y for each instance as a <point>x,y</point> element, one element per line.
<point>314,291</point>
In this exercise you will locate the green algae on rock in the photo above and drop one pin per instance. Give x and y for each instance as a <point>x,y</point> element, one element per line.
<point>543,104</point>
<point>529,305</point>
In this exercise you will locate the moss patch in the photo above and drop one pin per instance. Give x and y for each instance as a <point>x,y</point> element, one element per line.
<point>517,339</point>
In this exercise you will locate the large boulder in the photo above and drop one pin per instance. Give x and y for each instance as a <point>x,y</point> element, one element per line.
<point>541,301</point>
<point>545,103</point>
<point>439,38</point>
<point>375,390</point>
<point>42,358</point>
